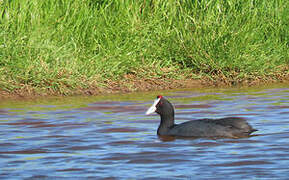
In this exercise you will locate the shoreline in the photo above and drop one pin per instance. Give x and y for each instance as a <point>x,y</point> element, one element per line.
<point>133,84</point>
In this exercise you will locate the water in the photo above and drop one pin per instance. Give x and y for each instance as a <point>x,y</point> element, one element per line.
<point>109,137</point>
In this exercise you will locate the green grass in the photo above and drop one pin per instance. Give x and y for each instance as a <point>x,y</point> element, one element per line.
<point>69,44</point>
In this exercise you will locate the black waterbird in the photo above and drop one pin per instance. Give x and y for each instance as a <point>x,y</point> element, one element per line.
<point>229,127</point>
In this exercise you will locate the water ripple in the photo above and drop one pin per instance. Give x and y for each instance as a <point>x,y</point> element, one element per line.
<point>111,138</point>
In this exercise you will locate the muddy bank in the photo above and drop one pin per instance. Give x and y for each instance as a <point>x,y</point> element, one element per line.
<point>134,84</point>
<point>108,87</point>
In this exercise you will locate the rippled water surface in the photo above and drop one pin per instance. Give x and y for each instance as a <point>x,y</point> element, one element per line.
<point>110,137</point>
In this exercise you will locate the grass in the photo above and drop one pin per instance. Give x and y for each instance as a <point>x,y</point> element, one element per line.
<point>71,44</point>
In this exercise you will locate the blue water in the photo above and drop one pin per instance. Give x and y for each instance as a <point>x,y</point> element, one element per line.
<point>110,137</point>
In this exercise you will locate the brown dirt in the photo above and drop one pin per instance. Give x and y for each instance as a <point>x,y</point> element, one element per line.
<point>128,84</point>
<point>131,83</point>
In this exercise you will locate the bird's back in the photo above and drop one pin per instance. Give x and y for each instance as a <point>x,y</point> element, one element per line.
<point>232,127</point>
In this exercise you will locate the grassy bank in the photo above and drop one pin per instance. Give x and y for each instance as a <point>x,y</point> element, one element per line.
<point>67,45</point>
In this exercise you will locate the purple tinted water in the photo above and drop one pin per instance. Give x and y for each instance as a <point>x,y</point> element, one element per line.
<point>110,137</point>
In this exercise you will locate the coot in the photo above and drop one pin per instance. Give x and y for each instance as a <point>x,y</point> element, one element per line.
<point>231,127</point>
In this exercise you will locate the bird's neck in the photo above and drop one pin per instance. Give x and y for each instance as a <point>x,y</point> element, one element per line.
<point>167,122</point>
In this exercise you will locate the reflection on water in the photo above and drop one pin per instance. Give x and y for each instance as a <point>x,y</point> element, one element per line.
<point>110,137</point>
